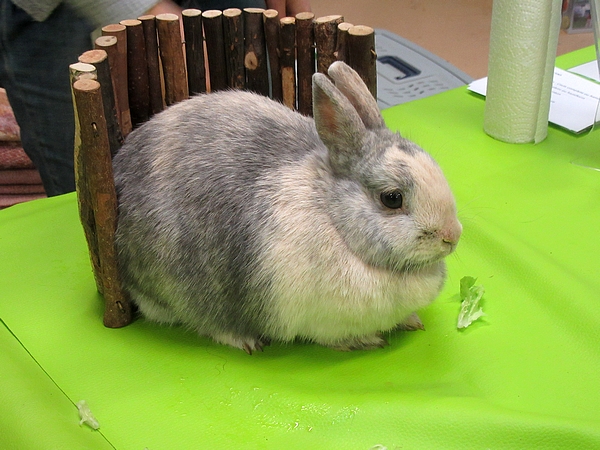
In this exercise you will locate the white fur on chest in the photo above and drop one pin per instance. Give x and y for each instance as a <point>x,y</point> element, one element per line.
<point>319,289</point>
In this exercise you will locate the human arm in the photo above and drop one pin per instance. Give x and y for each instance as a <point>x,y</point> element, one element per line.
<point>289,7</point>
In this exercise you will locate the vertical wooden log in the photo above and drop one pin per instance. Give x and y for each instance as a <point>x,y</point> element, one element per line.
<point>109,45</point>
<point>99,59</point>
<point>82,71</point>
<point>118,69</point>
<point>305,38</point>
<point>215,49</point>
<point>137,70</point>
<point>194,50</point>
<point>341,51</point>
<point>79,71</point>
<point>154,79</point>
<point>96,157</point>
<point>326,40</point>
<point>171,55</point>
<point>255,52</point>
<point>233,35</point>
<point>288,61</point>
<point>271,18</point>
<point>362,56</point>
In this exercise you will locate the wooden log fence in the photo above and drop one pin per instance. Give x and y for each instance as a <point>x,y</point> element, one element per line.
<point>153,66</point>
<point>142,65</point>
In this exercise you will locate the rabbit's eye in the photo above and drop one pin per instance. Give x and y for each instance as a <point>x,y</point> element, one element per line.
<point>391,199</point>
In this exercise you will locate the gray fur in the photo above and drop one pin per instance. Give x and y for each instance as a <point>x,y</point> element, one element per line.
<point>214,196</point>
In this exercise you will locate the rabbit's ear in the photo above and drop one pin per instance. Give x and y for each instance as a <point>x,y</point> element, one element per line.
<point>338,124</point>
<point>352,86</point>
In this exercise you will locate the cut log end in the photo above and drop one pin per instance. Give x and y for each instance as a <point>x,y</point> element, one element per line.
<point>271,13</point>
<point>232,12</point>
<point>305,16</point>
<point>212,14</point>
<point>327,19</point>
<point>360,30</point>
<point>106,41</point>
<point>86,85</point>
<point>113,28</point>
<point>168,17</point>
<point>191,12</point>
<point>93,56</point>
<point>131,22</point>
<point>82,67</point>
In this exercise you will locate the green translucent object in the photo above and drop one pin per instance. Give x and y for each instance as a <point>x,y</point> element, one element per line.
<point>470,295</point>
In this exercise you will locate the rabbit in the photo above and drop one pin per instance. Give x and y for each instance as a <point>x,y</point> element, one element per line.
<point>248,222</point>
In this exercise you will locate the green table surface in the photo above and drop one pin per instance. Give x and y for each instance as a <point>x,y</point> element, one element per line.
<point>527,375</point>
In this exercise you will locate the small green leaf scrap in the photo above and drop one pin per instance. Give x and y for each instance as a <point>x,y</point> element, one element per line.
<point>470,296</point>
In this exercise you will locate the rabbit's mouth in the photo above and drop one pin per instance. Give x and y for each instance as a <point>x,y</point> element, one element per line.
<point>429,254</point>
<point>428,251</point>
<point>436,245</point>
<point>418,265</point>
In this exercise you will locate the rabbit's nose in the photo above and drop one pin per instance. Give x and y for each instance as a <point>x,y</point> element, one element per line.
<point>451,233</point>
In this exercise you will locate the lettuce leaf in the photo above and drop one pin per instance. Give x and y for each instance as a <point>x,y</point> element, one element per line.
<point>470,295</point>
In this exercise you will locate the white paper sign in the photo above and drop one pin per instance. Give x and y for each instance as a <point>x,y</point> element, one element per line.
<point>573,102</point>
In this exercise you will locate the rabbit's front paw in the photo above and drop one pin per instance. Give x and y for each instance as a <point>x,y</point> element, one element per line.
<point>246,343</point>
<point>412,323</point>
<point>361,343</point>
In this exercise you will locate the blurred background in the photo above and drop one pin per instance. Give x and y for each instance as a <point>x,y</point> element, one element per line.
<point>457,31</point>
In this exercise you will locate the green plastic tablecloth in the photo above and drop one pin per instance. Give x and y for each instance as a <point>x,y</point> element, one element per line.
<point>527,375</point>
